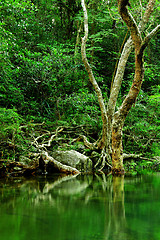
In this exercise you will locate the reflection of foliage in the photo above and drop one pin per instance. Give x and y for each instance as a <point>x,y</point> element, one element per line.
<point>105,207</point>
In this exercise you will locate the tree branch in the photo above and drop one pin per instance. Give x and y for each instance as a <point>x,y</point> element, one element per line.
<point>91,75</point>
<point>148,38</point>
<point>128,47</point>
<point>145,19</point>
<point>130,22</point>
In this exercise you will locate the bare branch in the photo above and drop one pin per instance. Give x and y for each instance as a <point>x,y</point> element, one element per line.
<point>140,2</point>
<point>91,75</point>
<point>148,38</point>
<point>85,20</point>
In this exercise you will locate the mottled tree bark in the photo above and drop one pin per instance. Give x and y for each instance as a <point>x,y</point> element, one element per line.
<point>128,47</point>
<point>113,121</point>
<point>120,115</point>
<point>103,143</point>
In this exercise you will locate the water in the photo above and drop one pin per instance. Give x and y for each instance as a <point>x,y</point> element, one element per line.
<point>80,208</point>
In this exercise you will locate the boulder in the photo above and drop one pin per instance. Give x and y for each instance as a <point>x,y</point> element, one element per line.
<point>74,159</point>
<point>25,160</point>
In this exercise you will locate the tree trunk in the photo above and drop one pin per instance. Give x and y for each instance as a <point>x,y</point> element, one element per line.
<point>117,148</point>
<point>128,47</point>
<point>120,115</point>
<point>113,122</point>
<point>93,81</point>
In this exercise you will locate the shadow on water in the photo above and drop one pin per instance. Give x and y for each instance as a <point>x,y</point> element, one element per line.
<point>80,207</point>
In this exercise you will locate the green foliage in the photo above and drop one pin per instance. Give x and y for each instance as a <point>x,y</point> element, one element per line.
<point>142,127</point>
<point>37,80</point>
<point>81,108</point>
<point>41,80</point>
<point>18,17</point>
<point>132,168</point>
<point>10,122</point>
<point>151,77</point>
<point>141,167</point>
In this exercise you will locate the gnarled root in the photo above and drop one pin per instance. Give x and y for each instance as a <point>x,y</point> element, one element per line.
<point>103,160</point>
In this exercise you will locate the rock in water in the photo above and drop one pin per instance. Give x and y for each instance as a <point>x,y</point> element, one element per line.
<point>74,159</point>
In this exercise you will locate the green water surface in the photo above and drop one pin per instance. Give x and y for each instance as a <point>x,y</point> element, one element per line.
<point>80,208</point>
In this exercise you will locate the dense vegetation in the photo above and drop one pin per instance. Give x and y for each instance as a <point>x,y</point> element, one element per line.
<point>43,83</point>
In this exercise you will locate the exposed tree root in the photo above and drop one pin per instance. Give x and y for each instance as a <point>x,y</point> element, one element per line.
<point>44,144</point>
<point>86,142</point>
<point>48,160</point>
<point>44,141</point>
<point>136,157</point>
<point>48,143</point>
<point>102,161</point>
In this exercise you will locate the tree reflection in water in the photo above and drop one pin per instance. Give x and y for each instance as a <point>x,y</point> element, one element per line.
<point>79,207</point>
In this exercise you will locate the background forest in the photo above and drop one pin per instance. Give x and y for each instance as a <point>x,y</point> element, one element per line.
<point>43,80</point>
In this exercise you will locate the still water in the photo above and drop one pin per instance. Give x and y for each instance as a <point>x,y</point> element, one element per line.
<point>80,208</point>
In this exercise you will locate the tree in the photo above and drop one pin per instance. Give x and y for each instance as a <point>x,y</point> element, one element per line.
<point>113,121</point>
